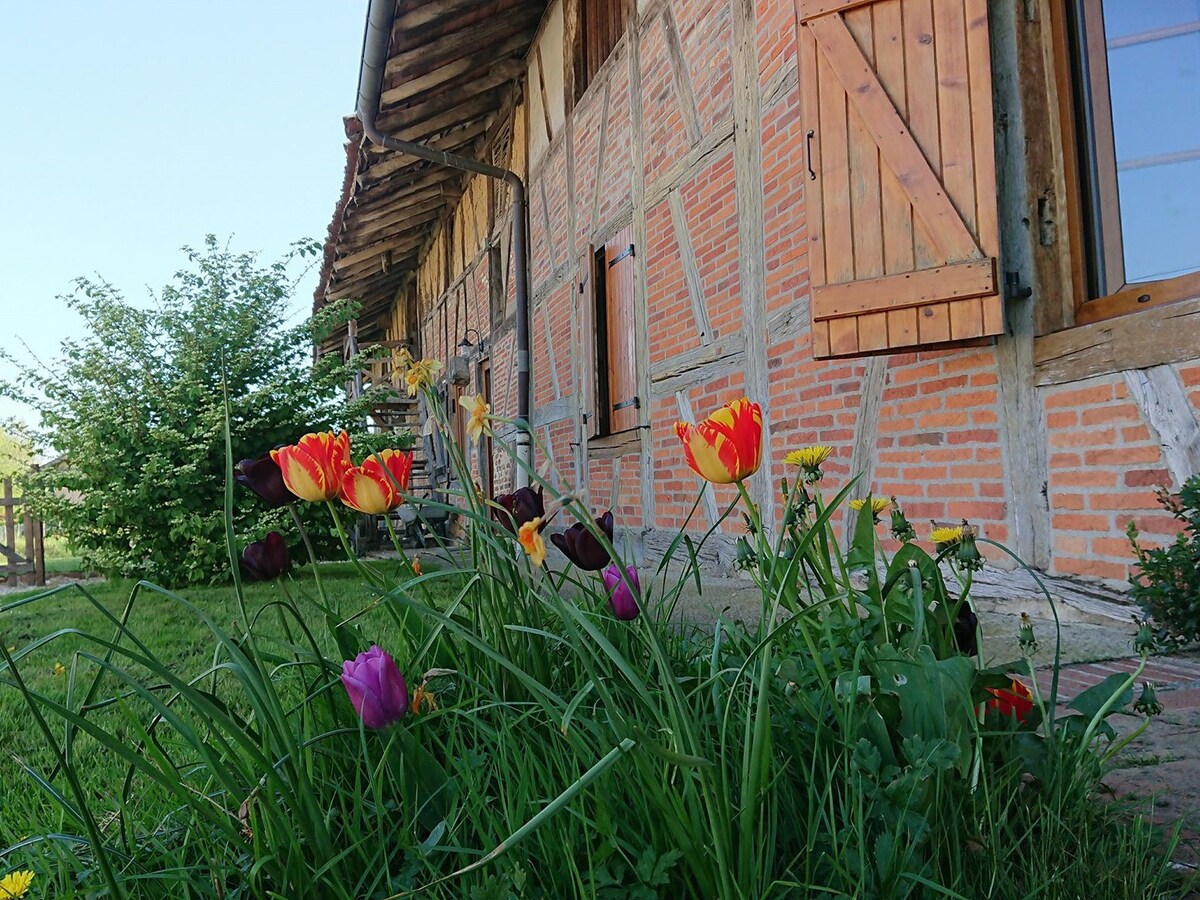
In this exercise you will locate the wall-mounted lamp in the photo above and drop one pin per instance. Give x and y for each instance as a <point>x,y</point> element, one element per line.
<point>465,345</point>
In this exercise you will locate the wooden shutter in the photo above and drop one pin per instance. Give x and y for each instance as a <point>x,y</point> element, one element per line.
<point>623,403</point>
<point>901,188</point>
<point>591,282</point>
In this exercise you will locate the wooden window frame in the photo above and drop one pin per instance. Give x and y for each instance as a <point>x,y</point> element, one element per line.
<point>607,423</point>
<point>1101,291</point>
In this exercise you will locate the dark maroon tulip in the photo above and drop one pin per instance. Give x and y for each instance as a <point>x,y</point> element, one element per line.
<point>582,547</point>
<point>622,600</point>
<point>523,505</point>
<point>266,559</point>
<point>966,635</point>
<point>264,477</point>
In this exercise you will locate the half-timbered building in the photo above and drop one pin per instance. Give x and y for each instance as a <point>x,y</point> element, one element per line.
<point>954,239</point>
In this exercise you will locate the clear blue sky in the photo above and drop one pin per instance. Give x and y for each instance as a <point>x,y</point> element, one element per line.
<point>131,128</point>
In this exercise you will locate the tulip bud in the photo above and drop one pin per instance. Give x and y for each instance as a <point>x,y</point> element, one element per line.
<point>582,547</point>
<point>622,598</point>
<point>265,478</point>
<point>266,559</point>
<point>521,506</point>
<point>376,688</point>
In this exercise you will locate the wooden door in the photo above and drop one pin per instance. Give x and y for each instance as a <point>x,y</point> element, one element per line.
<point>896,102</point>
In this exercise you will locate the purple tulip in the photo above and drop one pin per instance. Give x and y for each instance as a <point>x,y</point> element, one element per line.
<point>581,547</point>
<point>621,599</point>
<point>266,559</point>
<point>264,477</point>
<point>376,688</point>
<point>523,505</point>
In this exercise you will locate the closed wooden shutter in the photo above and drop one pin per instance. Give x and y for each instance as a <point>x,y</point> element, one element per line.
<point>901,189</point>
<point>623,403</point>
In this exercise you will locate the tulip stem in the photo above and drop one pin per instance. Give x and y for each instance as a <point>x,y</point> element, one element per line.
<point>366,571</point>
<point>312,554</point>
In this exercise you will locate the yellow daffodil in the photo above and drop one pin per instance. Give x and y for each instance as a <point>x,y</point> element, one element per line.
<point>532,542</point>
<point>15,885</point>
<point>878,504</point>
<point>946,537</point>
<point>421,374</point>
<point>401,360</point>
<point>424,700</point>
<point>479,412</point>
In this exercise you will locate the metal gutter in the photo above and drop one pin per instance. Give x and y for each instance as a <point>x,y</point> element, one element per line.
<point>381,16</point>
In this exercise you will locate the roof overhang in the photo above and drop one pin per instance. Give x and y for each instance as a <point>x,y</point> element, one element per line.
<point>452,67</point>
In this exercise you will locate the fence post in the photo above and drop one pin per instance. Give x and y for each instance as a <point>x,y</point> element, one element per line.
<point>10,528</point>
<point>39,547</point>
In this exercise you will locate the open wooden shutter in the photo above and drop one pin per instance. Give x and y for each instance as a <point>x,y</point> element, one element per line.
<point>901,189</point>
<point>591,280</point>
<point>623,401</point>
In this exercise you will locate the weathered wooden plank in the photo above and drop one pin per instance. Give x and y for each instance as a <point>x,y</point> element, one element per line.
<point>708,496</point>
<point>969,279</point>
<point>896,147</point>
<point>551,351</point>
<point>810,8</point>
<point>697,159</point>
<point>954,109</point>
<point>601,146</point>
<point>920,76</point>
<point>1161,335</point>
<point>702,372</point>
<point>866,426</point>
<point>752,263</point>
<point>680,76</point>
<point>1160,395</point>
<point>691,272</point>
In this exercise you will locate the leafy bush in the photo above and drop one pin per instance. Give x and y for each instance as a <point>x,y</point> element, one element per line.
<point>1167,583</point>
<point>135,409</point>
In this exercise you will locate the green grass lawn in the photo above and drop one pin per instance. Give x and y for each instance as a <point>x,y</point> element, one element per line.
<point>171,630</point>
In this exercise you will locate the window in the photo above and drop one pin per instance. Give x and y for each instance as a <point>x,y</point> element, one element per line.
<point>617,405</point>
<point>601,24</point>
<point>1137,117</point>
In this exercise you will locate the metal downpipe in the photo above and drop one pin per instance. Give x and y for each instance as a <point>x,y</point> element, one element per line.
<point>376,42</point>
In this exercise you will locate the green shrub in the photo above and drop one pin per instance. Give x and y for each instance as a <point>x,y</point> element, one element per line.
<point>1167,583</point>
<point>135,412</point>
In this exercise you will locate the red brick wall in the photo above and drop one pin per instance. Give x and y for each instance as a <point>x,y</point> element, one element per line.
<point>939,442</point>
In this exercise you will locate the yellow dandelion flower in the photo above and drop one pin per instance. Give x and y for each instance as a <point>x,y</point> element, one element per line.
<point>946,537</point>
<point>479,412</point>
<point>809,457</point>
<point>531,540</point>
<point>878,504</point>
<point>15,885</point>
<point>59,668</point>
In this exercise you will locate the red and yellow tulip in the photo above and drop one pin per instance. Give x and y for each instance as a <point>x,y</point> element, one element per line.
<point>727,446</point>
<point>314,466</point>
<point>378,485</point>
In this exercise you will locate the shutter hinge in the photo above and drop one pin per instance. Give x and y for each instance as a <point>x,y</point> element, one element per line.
<point>635,402</point>
<point>628,251</point>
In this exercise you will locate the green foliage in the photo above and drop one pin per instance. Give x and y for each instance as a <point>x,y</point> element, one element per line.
<point>135,409</point>
<point>16,454</point>
<point>1167,584</point>
<point>837,746</point>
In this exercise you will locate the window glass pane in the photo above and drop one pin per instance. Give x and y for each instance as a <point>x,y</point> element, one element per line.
<point>1153,53</point>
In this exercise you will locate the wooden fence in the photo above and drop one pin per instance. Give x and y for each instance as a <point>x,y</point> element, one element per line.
<point>29,568</point>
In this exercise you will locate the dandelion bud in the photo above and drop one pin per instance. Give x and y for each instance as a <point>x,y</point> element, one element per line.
<point>902,529</point>
<point>968,553</point>
<point>1144,642</point>
<point>1147,704</point>
<point>1025,638</point>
